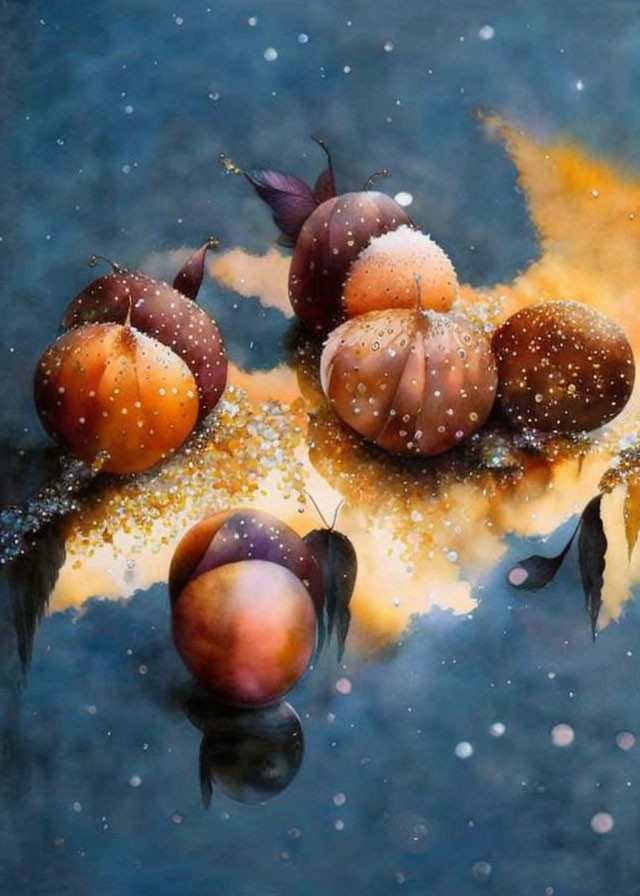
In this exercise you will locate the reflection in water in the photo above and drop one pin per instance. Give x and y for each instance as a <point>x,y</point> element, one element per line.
<point>424,531</point>
<point>252,755</point>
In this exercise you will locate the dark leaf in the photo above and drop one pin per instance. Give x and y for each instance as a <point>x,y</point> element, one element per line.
<point>189,278</point>
<point>206,780</point>
<point>537,571</point>
<point>31,578</point>
<point>592,547</point>
<point>337,560</point>
<point>290,199</point>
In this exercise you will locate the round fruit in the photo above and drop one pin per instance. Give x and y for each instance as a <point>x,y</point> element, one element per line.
<point>168,313</point>
<point>413,382</point>
<point>111,394</point>
<point>246,592</point>
<point>562,366</point>
<point>384,274</point>
<point>330,240</point>
<point>246,630</point>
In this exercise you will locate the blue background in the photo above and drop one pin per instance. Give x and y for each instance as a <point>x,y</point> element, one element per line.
<point>79,173</point>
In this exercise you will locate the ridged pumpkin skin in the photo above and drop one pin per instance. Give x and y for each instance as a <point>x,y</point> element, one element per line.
<point>330,239</point>
<point>158,310</point>
<point>562,367</point>
<point>412,382</point>
<point>109,388</point>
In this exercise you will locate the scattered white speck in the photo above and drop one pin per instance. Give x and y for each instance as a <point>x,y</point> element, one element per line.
<point>303,38</point>
<point>403,198</point>
<point>464,750</point>
<point>481,870</point>
<point>270,54</point>
<point>135,781</point>
<point>252,21</point>
<point>388,46</point>
<point>339,799</point>
<point>562,735</point>
<point>346,69</point>
<point>625,740</point>
<point>77,807</point>
<point>128,110</point>
<point>602,823</point>
<point>486,32</point>
<point>579,85</point>
<point>497,729</point>
<point>178,20</point>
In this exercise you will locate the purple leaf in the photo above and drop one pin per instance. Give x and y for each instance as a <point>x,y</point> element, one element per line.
<point>290,199</point>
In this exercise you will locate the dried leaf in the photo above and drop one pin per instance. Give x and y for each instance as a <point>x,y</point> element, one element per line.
<point>338,562</point>
<point>632,514</point>
<point>290,199</point>
<point>592,547</point>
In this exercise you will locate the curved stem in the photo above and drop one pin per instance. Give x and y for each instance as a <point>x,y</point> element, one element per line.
<point>94,259</point>
<point>375,177</point>
<point>323,146</point>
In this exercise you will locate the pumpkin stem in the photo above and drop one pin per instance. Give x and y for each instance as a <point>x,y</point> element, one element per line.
<point>374,178</point>
<point>229,166</point>
<point>323,146</point>
<point>417,279</point>
<point>93,261</point>
<point>321,514</point>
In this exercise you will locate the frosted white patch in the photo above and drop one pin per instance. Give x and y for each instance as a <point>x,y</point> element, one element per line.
<point>403,241</point>
<point>270,54</point>
<point>486,32</point>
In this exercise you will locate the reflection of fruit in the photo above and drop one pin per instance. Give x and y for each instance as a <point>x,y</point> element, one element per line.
<point>168,313</point>
<point>243,588</point>
<point>330,239</point>
<point>384,274</point>
<point>107,388</point>
<point>252,755</point>
<point>412,382</point>
<point>562,366</point>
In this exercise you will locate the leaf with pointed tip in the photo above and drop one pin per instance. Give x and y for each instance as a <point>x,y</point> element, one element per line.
<point>31,578</point>
<point>189,278</point>
<point>338,562</point>
<point>632,515</point>
<point>592,547</point>
<point>537,571</point>
<point>290,199</point>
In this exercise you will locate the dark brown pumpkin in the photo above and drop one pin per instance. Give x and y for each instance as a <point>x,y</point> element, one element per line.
<point>563,367</point>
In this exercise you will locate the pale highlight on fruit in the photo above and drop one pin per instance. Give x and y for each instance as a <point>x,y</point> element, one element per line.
<point>110,394</point>
<point>384,274</point>
<point>246,630</point>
